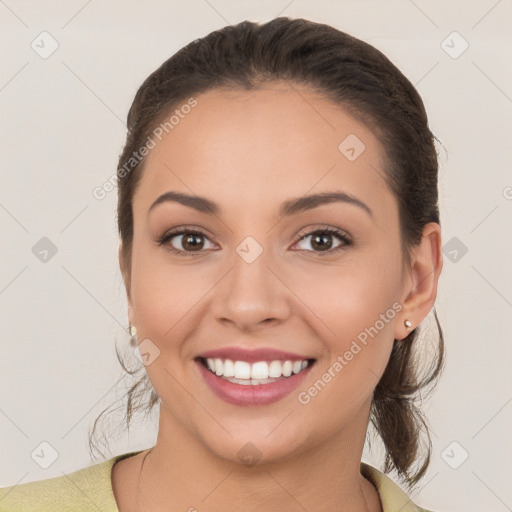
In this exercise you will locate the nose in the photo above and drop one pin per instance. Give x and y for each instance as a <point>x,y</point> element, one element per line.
<point>252,295</point>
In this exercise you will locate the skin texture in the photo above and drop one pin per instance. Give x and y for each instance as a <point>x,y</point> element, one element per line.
<point>249,151</point>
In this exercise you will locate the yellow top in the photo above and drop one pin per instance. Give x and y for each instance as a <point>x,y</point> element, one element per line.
<point>90,489</point>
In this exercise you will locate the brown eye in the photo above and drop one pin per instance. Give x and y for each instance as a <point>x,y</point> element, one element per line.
<point>192,241</point>
<point>321,240</point>
<point>185,242</point>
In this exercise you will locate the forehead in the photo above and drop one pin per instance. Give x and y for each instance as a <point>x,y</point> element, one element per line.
<point>275,142</point>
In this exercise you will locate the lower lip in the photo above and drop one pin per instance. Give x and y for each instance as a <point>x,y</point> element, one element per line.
<point>259,394</point>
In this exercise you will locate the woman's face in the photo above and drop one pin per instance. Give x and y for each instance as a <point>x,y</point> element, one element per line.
<point>259,277</point>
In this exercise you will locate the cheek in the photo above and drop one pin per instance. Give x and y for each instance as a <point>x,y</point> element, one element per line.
<point>357,307</point>
<point>167,302</point>
<point>356,355</point>
<point>165,294</point>
<point>353,295</point>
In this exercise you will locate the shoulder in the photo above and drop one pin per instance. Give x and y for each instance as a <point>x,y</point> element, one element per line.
<point>392,497</point>
<point>83,490</point>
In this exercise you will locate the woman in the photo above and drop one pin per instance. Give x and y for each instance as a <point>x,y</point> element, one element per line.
<point>280,245</point>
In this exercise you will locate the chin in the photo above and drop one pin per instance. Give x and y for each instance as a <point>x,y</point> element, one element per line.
<point>256,447</point>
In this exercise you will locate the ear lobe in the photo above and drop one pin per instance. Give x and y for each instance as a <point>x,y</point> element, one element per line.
<point>420,291</point>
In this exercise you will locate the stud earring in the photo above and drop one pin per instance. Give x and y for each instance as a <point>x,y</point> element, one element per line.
<point>408,324</point>
<point>133,340</point>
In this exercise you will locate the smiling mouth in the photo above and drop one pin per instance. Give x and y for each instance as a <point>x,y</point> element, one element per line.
<point>260,372</point>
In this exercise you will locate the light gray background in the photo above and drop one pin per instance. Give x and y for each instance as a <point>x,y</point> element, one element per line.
<point>61,133</point>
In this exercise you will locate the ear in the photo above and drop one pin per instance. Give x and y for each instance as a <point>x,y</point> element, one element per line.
<point>125,272</point>
<point>420,283</point>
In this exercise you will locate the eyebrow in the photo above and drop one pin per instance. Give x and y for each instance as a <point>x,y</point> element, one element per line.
<point>288,208</point>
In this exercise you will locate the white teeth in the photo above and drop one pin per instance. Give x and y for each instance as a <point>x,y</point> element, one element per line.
<point>274,369</point>
<point>249,382</point>
<point>287,368</point>
<point>242,370</point>
<point>229,368</point>
<point>260,372</point>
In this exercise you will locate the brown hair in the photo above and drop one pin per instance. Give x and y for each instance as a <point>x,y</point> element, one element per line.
<point>358,77</point>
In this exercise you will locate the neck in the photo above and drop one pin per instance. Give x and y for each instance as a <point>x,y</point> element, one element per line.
<point>182,472</point>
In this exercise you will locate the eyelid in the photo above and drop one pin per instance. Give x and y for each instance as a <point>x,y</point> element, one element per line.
<point>312,229</point>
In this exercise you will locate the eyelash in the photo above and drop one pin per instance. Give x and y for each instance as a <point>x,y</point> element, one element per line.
<point>342,236</point>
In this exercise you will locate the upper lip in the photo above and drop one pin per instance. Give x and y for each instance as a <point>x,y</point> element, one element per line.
<point>252,355</point>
